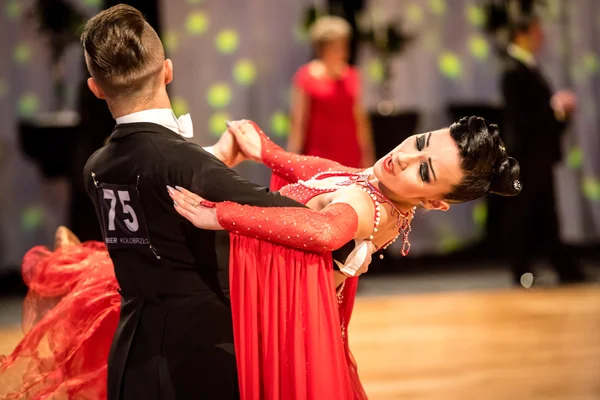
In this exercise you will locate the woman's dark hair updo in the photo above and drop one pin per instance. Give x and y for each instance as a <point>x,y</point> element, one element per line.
<point>486,166</point>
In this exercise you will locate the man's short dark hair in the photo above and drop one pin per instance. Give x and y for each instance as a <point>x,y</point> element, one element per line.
<point>123,52</point>
<point>523,25</point>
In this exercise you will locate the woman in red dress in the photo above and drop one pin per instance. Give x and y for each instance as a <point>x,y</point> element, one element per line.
<point>328,119</point>
<point>284,308</point>
<point>290,326</point>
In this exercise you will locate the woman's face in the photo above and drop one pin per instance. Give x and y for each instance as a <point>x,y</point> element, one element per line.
<point>336,50</point>
<point>423,168</point>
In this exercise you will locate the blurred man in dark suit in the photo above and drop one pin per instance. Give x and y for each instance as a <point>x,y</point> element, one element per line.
<point>535,119</point>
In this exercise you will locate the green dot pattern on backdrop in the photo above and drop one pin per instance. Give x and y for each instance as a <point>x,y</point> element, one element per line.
<point>12,9</point>
<point>479,47</point>
<point>449,243</point>
<point>180,106</point>
<point>92,3</point>
<point>414,13</point>
<point>591,188</point>
<point>375,70</point>
<point>194,1</point>
<point>244,72</point>
<point>299,33</point>
<point>219,95</point>
<point>437,6</point>
<point>32,218</point>
<point>22,53</point>
<point>475,15</point>
<point>480,214</point>
<point>216,123</point>
<point>591,62</point>
<point>196,23</point>
<point>227,41</point>
<point>575,158</point>
<point>280,124</point>
<point>450,65</point>
<point>170,41</point>
<point>28,105</point>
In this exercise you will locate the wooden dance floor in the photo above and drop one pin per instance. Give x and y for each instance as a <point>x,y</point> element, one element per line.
<point>505,345</point>
<point>494,345</point>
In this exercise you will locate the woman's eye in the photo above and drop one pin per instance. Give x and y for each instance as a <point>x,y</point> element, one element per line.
<point>420,142</point>
<point>424,172</point>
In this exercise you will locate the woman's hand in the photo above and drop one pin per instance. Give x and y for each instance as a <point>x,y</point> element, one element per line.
<point>228,151</point>
<point>195,209</point>
<point>248,139</point>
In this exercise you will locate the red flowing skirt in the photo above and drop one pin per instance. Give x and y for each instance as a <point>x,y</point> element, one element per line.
<point>290,330</point>
<point>69,318</point>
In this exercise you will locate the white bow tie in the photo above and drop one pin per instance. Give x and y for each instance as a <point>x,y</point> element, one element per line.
<point>185,126</point>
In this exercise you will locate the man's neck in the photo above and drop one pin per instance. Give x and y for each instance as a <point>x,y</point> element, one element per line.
<point>522,53</point>
<point>122,107</point>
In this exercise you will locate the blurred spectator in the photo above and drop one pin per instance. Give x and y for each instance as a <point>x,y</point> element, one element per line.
<point>328,119</point>
<point>535,120</point>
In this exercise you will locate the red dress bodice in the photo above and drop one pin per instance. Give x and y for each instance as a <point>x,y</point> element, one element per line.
<point>331,130</point>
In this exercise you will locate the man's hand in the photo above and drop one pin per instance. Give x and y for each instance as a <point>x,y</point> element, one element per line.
<point>227,150</point>
<point>564,103</point>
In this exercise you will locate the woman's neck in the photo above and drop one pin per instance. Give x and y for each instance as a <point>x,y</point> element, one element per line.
<point>404,205</point>
<point>333,69</point>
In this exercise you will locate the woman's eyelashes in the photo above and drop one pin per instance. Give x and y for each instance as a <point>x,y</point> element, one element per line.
<point>424,172</point>
<point>420,142</point>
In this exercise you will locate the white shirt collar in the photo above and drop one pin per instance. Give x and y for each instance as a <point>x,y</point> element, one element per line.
<point>522,55</point>
<point>161,116</point>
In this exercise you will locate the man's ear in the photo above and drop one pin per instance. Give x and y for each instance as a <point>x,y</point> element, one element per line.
<point>168,68</point>
<point>97,90</point>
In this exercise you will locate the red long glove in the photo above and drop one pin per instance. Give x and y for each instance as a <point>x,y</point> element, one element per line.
<point>305,229</point>
<point>293,167</point>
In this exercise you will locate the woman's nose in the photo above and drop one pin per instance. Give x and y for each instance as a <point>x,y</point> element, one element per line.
<point>405,159</point>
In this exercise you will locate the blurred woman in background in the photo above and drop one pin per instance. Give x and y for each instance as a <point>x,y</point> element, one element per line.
<point>328,119</point>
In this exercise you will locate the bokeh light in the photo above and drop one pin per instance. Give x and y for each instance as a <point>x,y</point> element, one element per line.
<point>216,123</point>
<point>244,72</point>
<point>227,41</point>
<point>32,218</point>
<point>479,47</point>
<point>591,188</point>
<point>375,70</point>
<point>12,9</point>
<point>196,23</point>
<point>180,106</point>
<point>219,95</point>
<point>437,6</point>
<point>194,1</point>
<point>170,41</point>
<point>280,124</point>
<point>480,214</point>
<point>591,62</point>
<point>92,3</point>
<point>22,53</point>
<point>449,243</point>
<point>300,34</point>
<point>575,158</point>
<point>450,65</point>
<point>475,15</point>
<point>414,13</point>
<point>28,104</point>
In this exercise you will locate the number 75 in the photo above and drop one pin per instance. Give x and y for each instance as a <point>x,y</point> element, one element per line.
<point>123,195</point>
